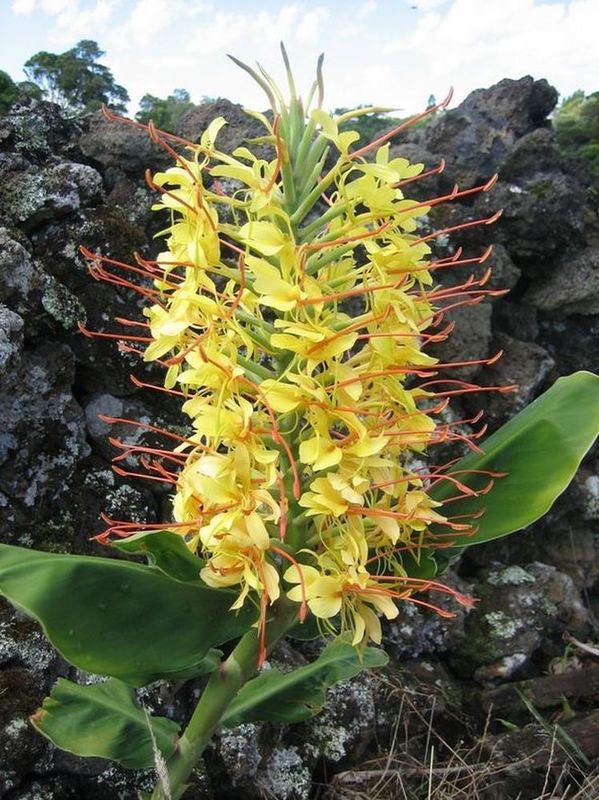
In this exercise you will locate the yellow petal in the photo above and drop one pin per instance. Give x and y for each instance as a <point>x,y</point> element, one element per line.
<point>309,574</point>
<point>264,237</point>
<point>282,397</point>
<point>359,628</point>
<point>384,604</point>
<point>389,527</point>
<point>257,530</point>
<point>325,607</point>
<point>209,136</point>
<point>372,623</point>
<point>271,577</point>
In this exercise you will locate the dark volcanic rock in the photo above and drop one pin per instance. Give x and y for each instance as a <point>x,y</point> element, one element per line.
<point>519,106</point>
<point>525,364</point>
<point>542,215</point>
<point>18,277</point>
<point>572,341</point>
<point>520,610</point>
<point>30,197</point>
<point>11,339</point>
<point>43,437</point>
<point>37,130</point>
<point>240,126</point>
<point>573,288</point>
<point>476,137</point>
<point>536,151</point>
<point>118,147</point>
<point>470,341</point>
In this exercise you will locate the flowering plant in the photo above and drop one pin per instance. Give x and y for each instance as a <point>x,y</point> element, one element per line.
<point>291,310</point>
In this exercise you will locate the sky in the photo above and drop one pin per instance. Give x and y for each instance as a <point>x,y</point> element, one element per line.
<point>393,53</point>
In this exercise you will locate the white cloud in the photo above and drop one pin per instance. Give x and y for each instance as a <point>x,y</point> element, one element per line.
<point>367,8</point>
<point>310,27</point>
<point>88,22</point>
<point>56,7</point>
<point>429,5</point>
<point>223,30</point>
<point>381,52</point>
<point>217,33</point>
<point>71,18</point>
<point>464,47</point>
<point>23,6</point>
<point>146,19</point>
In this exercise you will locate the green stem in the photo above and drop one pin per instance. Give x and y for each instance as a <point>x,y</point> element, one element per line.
<point>221,689</point>
<point>307,233</point>
<point>314,263</point>
<point>263,373</point>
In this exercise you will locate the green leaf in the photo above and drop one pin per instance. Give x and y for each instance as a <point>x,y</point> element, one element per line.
<point>540,449</point>
<point>104,720</point>
<point>425,567</point>
<point>112,617</point>
<point>294,696</point>
<point>165,550</point>
<point>306,631</point>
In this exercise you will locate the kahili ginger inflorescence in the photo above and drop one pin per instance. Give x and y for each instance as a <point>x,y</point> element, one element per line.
<point>291,310</point>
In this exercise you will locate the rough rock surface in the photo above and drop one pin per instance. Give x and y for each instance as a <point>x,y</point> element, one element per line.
<point>63,184</point>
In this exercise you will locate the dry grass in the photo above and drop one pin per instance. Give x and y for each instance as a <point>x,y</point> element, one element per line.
<point>421,764</point>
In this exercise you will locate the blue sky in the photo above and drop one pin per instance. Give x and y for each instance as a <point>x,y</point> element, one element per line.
<point>391,52</point>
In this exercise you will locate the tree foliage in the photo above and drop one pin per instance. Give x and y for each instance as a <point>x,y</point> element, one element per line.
<point>577,126</point>
<point>371,126</point>
<point>75,80</point>
<point>11,91</point>
<point>8,91</point>
<point>164,112</point>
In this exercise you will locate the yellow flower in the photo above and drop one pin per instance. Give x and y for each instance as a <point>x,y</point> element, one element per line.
<point>331,495</point>
<point>268,284</point>
<point>351,595</point>
<point>239,559</point>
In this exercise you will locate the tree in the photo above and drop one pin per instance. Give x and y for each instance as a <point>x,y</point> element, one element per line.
<point>8,91</point>
<point>576,123</point>
<point>164,113</point>
<point>29,89</point>
<point>75,80</point>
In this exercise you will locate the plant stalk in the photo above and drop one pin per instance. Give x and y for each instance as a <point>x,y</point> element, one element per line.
<point>220,691</point>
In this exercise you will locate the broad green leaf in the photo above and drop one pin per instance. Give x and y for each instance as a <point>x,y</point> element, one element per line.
<point>426,566</point>
<point>165,550</point>
<point>112,617</point>
<point>104,720</point>
<point>307,630</point>
<point>540,449</point>
<point>294,696</point>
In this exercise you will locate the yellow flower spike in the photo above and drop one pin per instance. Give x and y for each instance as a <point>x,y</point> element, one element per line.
<point>292,315</point>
